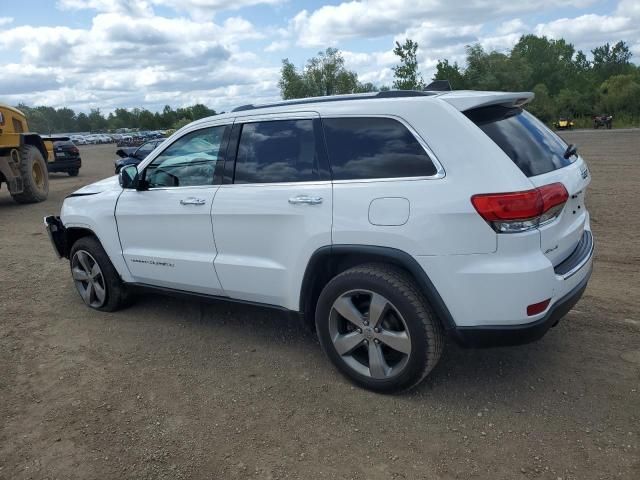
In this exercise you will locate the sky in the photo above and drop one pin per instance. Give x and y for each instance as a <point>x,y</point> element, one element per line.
<point>107,54</point>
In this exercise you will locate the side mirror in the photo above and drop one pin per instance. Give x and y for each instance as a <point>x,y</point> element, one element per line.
<point>128,176</point>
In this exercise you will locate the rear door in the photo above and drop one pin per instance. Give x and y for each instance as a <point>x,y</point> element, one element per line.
<point>543,157</point>
<point>274,210</point>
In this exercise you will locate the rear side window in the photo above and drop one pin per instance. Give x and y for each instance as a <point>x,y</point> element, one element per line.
<point>278,151</point>
<point>374,147</point>
<point>526,140</point>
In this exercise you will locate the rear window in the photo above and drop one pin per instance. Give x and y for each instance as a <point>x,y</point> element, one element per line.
<point>374,147</point>
<point>526,140</point>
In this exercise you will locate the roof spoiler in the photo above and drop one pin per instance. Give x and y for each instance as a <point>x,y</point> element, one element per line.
<point>56,138</point>
<point>465,100</point>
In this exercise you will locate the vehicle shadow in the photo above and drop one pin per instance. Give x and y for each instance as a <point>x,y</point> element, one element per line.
<point>487,374</point>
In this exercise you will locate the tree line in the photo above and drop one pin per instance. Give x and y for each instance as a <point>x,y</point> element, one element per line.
<point>565,81</point>
<point>64,120</point>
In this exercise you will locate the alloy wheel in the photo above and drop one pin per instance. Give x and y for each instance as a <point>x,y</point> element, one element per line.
<point>89,279</point>
<point>369,334</point>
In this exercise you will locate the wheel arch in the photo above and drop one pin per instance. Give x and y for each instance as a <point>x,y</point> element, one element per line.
<point>329,261</point>
<point>73,234</point>
<point>35,140</point>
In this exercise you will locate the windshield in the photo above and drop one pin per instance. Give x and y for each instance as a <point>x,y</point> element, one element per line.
<point>526,140</point>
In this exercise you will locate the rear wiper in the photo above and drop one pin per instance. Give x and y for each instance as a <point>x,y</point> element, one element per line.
<point>571,151</point>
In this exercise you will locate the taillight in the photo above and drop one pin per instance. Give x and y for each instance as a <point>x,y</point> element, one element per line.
<point>75,150</point>
<point>521,211</point>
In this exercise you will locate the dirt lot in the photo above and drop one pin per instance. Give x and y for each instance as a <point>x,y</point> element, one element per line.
<point>175,389</point>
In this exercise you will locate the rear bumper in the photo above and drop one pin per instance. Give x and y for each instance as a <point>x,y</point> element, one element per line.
<point>65,164</point>
<point>506,335</point>
<point>56,231</point>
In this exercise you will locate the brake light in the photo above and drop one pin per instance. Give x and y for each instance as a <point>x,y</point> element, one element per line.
<point>521,211</point>
<point>75,150</point>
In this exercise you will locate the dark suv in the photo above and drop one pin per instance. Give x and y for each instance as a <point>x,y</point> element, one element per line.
<point>67,158</point>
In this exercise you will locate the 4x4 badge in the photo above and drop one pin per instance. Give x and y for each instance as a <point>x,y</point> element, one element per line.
<point>585,172</point>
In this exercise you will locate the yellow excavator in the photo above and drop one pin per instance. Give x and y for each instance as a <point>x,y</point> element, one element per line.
<point>23,157</point>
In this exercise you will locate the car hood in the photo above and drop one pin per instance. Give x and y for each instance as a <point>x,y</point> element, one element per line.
<point>111,183</point>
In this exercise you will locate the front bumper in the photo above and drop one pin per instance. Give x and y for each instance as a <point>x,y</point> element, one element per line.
<point>507,335</point>
<point>57,234</point>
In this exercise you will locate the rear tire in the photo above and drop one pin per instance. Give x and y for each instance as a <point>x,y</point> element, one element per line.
<point>389,339</point>
<point>99,287</point>
<point>35,177</point>
<point>73,173</point>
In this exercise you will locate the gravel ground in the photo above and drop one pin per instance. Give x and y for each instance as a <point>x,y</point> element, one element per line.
<point>177,389</point>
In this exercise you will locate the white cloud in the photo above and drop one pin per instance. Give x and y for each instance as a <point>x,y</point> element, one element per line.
<point>511,26</point>
<point>375,18</point>
<point>132,60</point>
<point>6,20</point>
<point>195,8</point>
<point>277,46</point>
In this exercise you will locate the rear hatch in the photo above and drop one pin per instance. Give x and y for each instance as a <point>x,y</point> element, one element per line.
<point>545,159</point>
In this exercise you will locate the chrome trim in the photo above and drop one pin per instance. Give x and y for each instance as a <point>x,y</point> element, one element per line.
<point>582,263</point>
<point>305,199</point>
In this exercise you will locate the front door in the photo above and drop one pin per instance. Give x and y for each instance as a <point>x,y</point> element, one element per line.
<point>165,230</point>
<point>276,209</point>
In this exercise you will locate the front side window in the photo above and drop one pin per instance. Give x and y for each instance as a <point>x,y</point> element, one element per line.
<point>189,161</point>
<point>374,147</point>
<point>277,151</point>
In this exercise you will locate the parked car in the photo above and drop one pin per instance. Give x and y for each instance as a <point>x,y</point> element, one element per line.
<point>386,220</point>
<point>78,140</point>
<point>134,155</point>
<point>603,120</point>
<point>67,158</point>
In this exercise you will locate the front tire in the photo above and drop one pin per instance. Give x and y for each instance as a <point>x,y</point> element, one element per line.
<point>95,277</point>
<point>378,329</point>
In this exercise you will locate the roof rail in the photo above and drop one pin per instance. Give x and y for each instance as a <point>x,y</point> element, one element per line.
<point>339,98</point>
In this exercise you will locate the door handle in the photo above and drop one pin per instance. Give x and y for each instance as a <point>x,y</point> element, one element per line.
<point>192,201</point>
<point>305,199</point>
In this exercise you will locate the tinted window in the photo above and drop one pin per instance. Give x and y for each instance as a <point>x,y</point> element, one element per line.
<point>277,151</point>
<point>189,161</point>
<point>374,148</point>
<point>526,140</point>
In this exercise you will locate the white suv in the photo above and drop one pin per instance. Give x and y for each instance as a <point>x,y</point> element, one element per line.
<point>387,220</point>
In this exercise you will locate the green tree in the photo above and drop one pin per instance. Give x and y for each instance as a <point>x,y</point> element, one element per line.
<point>406,74</point>
<point>549,62</point>
<point>446,71</point>
<point>199,111</point>
<point>324,74</point>
<point>620,94</point>
<point>608,60</point>
<point>542,105</point>
<point>82,123</point>
<point>96,120</point>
